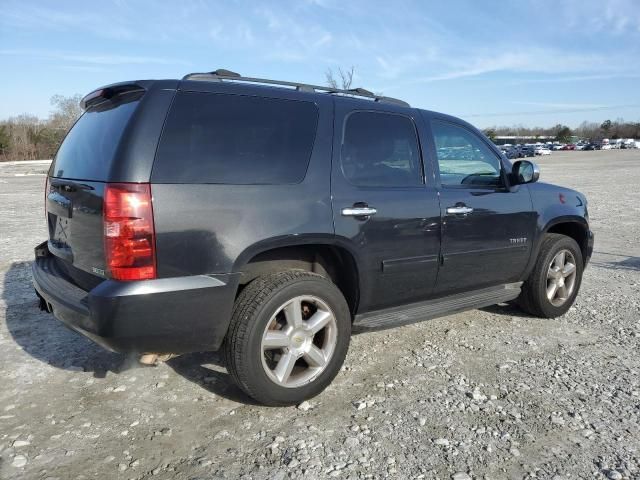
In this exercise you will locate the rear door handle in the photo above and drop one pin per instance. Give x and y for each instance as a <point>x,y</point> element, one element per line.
<point>358,211</point>
<point>459,210</point>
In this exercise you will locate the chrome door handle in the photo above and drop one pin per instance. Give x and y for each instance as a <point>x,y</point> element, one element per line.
<point>358,211</point>
<point>458,210</point>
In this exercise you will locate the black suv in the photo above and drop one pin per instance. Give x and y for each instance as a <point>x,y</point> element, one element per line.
<point>273,219</point>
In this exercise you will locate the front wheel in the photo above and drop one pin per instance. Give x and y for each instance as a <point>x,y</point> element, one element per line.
<point>553,284</point>
<point>288,337</point>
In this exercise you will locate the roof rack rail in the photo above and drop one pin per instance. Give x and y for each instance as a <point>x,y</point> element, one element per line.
<point>222,74</point>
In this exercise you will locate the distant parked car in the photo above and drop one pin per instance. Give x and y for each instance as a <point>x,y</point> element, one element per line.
<point>542,150</point>
<point>569,146</point>
<point>591,146</point>
<point>606,146</point>
<point>558,146</point>
<point>510,152</point>
<point>527,151</point>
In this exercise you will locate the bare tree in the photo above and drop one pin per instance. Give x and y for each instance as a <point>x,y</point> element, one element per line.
<point>67,111</point>
<point>27,137</point>
<point>343,82</point>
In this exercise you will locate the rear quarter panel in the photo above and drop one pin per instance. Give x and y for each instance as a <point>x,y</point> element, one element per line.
<point>216,228</point>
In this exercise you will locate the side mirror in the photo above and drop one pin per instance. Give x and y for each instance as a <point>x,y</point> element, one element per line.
<point>524,171</point>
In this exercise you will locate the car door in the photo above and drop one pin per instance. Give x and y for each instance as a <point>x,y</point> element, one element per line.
<point>487,227</point>
<point>382,207</point>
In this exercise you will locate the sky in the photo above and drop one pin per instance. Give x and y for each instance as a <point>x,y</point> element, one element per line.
<point>493,63</point>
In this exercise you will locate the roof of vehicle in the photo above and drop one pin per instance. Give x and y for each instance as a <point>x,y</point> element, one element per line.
<point>229,76</point>
<point>234,81</point>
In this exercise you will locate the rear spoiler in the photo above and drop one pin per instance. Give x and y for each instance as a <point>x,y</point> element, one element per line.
<point>106,93</point>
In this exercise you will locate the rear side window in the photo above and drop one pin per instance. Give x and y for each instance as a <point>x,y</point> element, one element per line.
<point>381,150</point>
<point>89,148</point>
<point>235,139</point>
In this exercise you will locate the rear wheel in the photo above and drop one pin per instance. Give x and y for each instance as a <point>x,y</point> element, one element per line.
<point>555,280</point>
<point>288,337</point>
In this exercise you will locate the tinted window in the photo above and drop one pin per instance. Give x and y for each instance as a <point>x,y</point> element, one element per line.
<point>381,150</point>
<point>463,158</point>
<point>89,148</point>
<point>235,139</point>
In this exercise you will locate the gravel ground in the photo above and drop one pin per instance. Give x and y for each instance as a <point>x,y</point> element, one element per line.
<point>490,393</point>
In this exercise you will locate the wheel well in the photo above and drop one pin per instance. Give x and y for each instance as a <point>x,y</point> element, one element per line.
<point>575,230</point>
<point>333,263</point>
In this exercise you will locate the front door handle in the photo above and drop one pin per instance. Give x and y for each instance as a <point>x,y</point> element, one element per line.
<point>459,210</point>
<point>358,211</point>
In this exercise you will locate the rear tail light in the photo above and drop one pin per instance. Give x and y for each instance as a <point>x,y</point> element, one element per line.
<point>129,234</point>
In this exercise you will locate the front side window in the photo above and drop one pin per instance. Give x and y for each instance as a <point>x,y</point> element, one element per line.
<point>236,139</point>
<point>463,158</point>
<point>381,150</point>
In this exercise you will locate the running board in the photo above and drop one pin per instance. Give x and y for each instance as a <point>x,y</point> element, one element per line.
<point>439,307</point>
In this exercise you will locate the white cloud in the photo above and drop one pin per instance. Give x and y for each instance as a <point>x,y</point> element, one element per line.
<point>98,59</point>
<point>616,17</point>
<point>105,24</point>
<point>554,105</point>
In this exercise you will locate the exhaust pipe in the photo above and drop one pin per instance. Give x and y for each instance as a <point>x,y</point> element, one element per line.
<point>153,359</point>
<point>44,305</point>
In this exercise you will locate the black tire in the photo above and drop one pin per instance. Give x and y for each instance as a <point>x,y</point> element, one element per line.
<point>254,308</point>
<point>533,298</point>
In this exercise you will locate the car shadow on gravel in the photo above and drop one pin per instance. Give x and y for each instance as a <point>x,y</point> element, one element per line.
<point>628,263</point>
<point>509,309</point>
<point>46,339</point>
<point>207,370</point>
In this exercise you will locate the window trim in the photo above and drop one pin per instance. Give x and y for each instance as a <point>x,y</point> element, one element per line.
<point>418,144</point>
<point>504,184</point>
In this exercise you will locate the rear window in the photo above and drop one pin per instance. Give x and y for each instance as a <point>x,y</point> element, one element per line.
<point>235,139</point>
<point>89,148</point>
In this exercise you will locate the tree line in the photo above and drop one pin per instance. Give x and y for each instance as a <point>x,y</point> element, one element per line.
<point>27,137</point>
<point>593,131</point>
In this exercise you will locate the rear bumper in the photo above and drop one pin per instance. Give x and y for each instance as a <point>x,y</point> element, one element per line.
<point>171,315</point>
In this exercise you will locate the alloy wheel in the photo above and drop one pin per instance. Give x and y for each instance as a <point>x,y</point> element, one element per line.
<point>299,341</point>
<point>561,278</point>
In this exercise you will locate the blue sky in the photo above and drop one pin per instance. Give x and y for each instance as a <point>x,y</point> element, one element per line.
<point>492,62</point>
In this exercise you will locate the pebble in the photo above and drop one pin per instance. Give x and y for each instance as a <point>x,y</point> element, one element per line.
<point>19,461</point>
<point>304,406</point>
<point>460,476</point>
<point>614,475</point>
<point>442,442</point>
<point>351,442</point>
<point>476,395</point>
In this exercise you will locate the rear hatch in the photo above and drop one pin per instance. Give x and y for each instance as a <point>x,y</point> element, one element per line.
<point>77,180</point>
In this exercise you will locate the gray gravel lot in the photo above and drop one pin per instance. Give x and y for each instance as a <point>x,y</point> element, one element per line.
<point>490,393</point>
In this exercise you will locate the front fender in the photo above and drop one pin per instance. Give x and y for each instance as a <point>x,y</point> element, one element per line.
<point>556,206</point>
